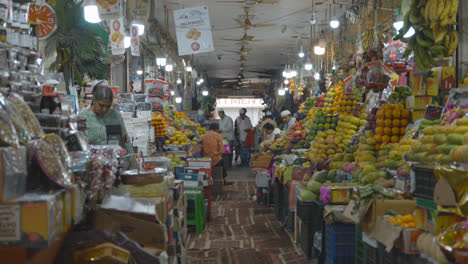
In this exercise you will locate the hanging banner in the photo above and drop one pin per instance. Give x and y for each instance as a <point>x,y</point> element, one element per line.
<point>109,9</point>
<point>117,36</point>
<point>193,30</point>
<point>134,41</point>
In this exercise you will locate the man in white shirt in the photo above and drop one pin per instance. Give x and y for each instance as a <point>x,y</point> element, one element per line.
<point>242,126</point>
<point>226,128</point>
<point>288,121</point>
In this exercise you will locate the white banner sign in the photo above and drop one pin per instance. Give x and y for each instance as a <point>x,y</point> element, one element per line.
<point>135,41</point>
<point>109,9</point>
<point>193,30</point>
<point>117,36</point>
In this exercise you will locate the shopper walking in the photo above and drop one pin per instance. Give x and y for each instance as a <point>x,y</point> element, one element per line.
<point>242,126</point>
<point>288,121</point>
<point>213,147</point>
<point>226,126</point>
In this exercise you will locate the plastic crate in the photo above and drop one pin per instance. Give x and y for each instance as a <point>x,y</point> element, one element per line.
<point>425,182</point>
<point>372,254</point>
<point>307,235</point>
<point>279,203</point>
<point>339,243</point>
<point>359,248</point>
<point>388,257</point>
<point>310,211</point>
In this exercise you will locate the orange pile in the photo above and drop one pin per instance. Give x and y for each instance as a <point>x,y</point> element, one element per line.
<point>407,221</point>
<point>392,120</point>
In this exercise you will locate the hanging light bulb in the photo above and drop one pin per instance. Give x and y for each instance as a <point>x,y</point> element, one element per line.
<point>410,33</point>
<point>179,81</point>
<point>161,61</point>
<point>281,92</point>
<point>178,100</point>
<point>308,66</point>
<point>319,50</point>
<point>169,67</point>
<point>91,13</point>
<point>334,67</point>
<point>172,93</point>
<point>301,54</point>
<point>201,79</point>
<point>140,25</point>
<point>317,76</point>
<point>334,23</point>
<point>205,93</point>
<point>188,68</point>
<point>127,42</point>
<point>139,72</point>
<point>398,25</point>
<point>198,82</point>
<point>286,81</point>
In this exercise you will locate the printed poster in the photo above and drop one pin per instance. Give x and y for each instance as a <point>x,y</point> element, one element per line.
<point>10,222</point>
<point>117,36</point>
<point>193,30</point>
<point>135,41</point>
<point>109,9</point>
<point>138,9</point>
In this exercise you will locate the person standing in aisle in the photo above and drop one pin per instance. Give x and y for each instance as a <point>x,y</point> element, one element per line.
<point>213,147</point>
<point>242,127</point>
<point>288,121</point>
<point>101,120</point>
<point>226,126</point>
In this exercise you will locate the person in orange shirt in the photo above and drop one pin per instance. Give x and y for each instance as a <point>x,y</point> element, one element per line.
<point>213,147</point>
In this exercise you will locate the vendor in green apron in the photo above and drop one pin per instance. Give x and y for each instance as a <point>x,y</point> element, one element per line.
<point>100,118</point>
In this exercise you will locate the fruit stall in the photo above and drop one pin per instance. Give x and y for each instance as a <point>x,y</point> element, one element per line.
<point>376,172</point>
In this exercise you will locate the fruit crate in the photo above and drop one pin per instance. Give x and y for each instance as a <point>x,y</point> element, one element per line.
<point>279,203</point>
<point>372,254</point>
<point>425,182</point>
<point>388,257</point>
<point>307,234</point>
<point>310,211</point>
<point>339,243</point>
<point>359,248</point>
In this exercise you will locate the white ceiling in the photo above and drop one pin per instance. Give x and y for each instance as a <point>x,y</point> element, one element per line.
<point>265,54</point>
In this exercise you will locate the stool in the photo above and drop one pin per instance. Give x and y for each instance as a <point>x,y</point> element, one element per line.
<point>195,202</point>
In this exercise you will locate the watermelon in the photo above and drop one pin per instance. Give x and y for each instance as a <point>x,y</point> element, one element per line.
<point>331,175</point>
<point>314,186</point>
<point>307,196</point>
<point>320,176</point>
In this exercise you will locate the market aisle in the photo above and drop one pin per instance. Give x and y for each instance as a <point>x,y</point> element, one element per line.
<point>241,231</point>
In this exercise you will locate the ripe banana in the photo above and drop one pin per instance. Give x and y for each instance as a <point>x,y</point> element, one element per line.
<point>439,32</point>
<point>427,10</point>
<point>440,8</point>
<point>433,10</point>
<point>453,11</point>
<point>452,43</point>
<point>445,12</point>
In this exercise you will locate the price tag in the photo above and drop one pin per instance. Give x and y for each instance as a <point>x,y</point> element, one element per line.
<point>10,222</point>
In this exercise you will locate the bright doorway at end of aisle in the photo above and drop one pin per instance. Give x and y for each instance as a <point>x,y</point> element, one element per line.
<point>231,106</point>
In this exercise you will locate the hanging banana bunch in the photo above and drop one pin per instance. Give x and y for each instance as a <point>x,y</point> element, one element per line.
<point>435,37</point>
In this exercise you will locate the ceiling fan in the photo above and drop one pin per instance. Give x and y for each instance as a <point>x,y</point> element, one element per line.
<point>245,38</point>
<point>247,24</point>
<point>242,51</point>
<point>251,2</point>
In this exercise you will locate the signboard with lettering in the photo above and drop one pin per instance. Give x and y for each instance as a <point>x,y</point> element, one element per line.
<point>10,222</point>
<point>193,30</point>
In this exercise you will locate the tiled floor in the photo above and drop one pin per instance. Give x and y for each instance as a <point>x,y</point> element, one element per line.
<point>240,231</point>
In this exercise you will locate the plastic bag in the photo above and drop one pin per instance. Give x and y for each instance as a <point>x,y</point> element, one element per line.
<point>139,98</point>
<point>393,55</point>
<point>125,107</point>
<point>143,106</point>
<point>51,164</point>
<point>8,135</point>
<point>378,75</point>
<point>24,111</point>
<point>22,130</point>
<point>58,145</point>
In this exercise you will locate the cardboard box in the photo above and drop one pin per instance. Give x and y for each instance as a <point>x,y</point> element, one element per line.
<point>407,240</point>
<point>433,218</point>
<point>102,253</point>
<point>33,220</point>
<point>416,84</point>
<point>151,235</point>
<point>448,79</point>
<point>199,163</point>
<point>77,203</point>
<point>13,172</point>
<point>420,102</point>
<point>379,208</point>
<point>417,114</point>
<point>425,83</point>
<point>66,211</point>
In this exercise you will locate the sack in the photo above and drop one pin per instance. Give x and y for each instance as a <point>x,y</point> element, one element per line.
<point>250,139</point>
<point>227,149</point>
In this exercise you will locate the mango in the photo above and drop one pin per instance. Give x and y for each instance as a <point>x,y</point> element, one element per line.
<point>462,122</point>
<point>461,129</point>
<point>455,139</point>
